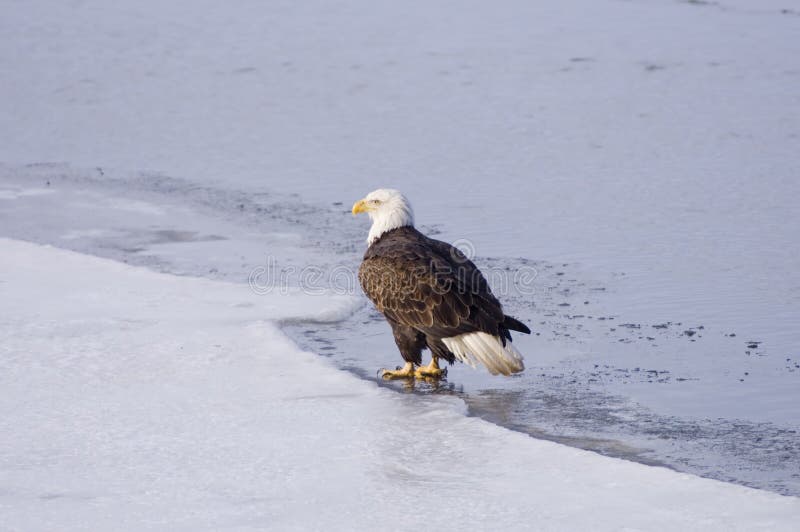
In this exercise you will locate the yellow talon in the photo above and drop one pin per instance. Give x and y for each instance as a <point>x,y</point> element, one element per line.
<point>431,371</point>
<point>406,372</point>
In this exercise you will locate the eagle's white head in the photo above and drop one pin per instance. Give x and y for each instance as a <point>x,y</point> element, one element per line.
<point>387,208</point>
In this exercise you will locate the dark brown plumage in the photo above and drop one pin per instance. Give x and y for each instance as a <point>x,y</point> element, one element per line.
<point>428,291</point>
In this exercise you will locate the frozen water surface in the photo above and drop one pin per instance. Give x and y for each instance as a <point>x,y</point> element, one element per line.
<point>133,400</point>
<point>640,157</point>
<point>593,381</point>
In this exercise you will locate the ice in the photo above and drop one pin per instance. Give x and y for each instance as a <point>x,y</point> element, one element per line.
<point>133,400</point>
<point>641,156</point>
<point>16,193</point>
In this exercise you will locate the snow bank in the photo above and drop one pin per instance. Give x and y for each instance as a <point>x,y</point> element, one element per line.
<point>132,400</point>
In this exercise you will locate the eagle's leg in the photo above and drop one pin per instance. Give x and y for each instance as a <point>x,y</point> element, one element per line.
<point>431,371</point>
<point>406,372</point>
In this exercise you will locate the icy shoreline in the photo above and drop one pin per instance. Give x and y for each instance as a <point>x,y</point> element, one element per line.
<point>641,155</point>
<point>143,401</point>
<point>175,227</point>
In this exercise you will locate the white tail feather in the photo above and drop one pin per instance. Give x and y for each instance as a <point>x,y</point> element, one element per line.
<point>480,347</point>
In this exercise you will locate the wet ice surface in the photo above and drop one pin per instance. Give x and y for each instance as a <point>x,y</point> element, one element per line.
<point>640,156</point>
<point>139,400</point>
<point>677,393</point>
<point>723,430</point>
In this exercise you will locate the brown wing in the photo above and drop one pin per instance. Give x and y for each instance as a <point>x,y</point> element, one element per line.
<point>428,285</point>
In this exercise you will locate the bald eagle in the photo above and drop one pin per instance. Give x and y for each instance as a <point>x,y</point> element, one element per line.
<point>432,295</point>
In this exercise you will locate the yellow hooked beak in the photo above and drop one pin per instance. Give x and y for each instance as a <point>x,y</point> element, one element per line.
<point>359,207</point>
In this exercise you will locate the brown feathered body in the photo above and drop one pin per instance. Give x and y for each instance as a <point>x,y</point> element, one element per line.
<point>429,292</point>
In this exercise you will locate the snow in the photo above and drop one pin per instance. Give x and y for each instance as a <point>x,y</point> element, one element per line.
<point>133,400</point>
<point>640,156</point>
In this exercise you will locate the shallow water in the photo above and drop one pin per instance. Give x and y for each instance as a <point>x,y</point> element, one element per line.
<point>678,393</point>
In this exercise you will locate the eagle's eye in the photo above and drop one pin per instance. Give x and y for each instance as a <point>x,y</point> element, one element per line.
<point>374,201</point>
